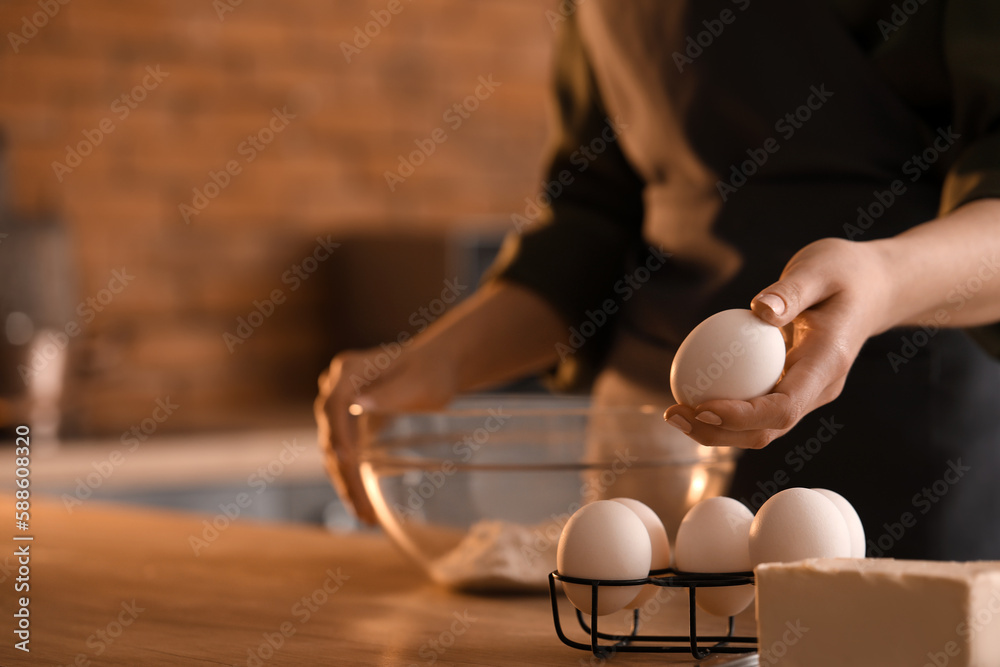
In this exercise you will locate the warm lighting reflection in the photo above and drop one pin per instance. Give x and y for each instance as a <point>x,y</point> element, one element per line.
<point>19,328</point>
<point>45,382</point>
<point>699,480</point>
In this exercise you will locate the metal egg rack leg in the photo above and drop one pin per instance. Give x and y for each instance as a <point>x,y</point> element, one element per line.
<point>634,642</point>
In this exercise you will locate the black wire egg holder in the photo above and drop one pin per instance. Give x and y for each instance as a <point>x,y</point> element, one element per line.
<point>636,643</point>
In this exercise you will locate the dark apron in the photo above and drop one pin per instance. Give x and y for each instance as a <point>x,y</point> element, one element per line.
<point>914,440</point>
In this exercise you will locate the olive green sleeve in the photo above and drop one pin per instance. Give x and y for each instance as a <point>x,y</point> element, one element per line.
<point>972,54</point>
<point>572,247</point>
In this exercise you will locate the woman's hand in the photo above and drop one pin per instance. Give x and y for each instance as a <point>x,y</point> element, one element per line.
<point>831,297</point>
<point>373,380</point>
<point>501,332</point>
<point>834,294</point>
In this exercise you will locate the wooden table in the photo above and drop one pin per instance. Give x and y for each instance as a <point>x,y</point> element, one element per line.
<point>119,586</point>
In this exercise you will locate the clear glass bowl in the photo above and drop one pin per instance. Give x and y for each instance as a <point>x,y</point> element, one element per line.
<point>478,494</point>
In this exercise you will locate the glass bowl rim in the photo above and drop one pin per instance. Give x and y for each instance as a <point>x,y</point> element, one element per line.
<point>476,405</point>
<point>575,407</point>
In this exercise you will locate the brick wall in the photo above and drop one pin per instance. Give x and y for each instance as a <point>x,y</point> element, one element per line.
<point>263,102</point>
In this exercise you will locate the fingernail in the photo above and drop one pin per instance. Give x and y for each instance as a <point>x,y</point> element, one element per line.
<point>708,418</point>
<point>681,424</point>
<point>774,302</point>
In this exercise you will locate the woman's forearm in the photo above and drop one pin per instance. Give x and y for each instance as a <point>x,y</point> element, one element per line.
<point>946,271</point>
<point>500,333</point>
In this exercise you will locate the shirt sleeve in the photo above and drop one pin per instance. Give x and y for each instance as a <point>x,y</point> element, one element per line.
<point>972,55</point>
<point>570,245</point>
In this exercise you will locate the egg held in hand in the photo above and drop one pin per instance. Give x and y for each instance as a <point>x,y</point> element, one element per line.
<point>795,524</point>
<point>660,553</point>
<point>732,355</point>
<point>715,537</point>
<point>604,540</point>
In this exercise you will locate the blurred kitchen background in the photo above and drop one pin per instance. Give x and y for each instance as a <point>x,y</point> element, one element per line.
<point>140,224</point>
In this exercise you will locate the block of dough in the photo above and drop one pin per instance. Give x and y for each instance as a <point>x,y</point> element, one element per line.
<point>832,612</point>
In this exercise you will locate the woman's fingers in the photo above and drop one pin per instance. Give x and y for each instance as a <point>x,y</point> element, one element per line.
<point>338,435</point>
<point>803,284</point>
<point>344,454</point>
<point>773,411</point>
<point>683,418</point>
<point>405,384</point>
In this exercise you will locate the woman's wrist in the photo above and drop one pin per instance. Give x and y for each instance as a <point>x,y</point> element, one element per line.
<point>944,271</point>
<point>437,360</point>
<point>500,333</point>
<point>891,281</point>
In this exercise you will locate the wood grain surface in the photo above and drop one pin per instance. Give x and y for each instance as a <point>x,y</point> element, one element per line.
<point>121,586</point>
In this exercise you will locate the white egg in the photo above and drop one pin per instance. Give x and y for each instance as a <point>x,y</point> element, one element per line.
<point>798,523</point>
<point>854,525</point>
<point>603,540</point>
<point>731,355</point>
<point>660,545</point>
<point>715,537</point>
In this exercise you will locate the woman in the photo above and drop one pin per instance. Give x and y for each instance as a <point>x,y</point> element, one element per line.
<point>703,146</point>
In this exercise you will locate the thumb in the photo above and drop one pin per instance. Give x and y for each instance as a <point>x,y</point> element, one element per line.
<point>801,286</point>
